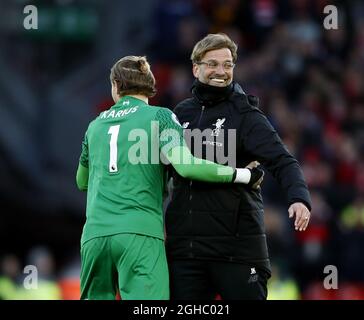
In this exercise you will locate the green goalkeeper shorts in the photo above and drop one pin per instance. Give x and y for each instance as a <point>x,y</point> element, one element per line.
<point>136,265</point>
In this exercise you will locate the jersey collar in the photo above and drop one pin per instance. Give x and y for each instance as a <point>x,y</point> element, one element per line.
<point>128,101</point>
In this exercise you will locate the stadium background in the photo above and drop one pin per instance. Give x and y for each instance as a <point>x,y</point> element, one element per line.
<point>54,80</point>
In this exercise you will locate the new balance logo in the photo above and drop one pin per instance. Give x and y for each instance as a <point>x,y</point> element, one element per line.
<point>253,276</point>
<point>185,125</point>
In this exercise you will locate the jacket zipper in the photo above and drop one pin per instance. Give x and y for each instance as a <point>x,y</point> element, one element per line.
<point>198,126</point>
<point>190,198</point>
<point>199,120</point>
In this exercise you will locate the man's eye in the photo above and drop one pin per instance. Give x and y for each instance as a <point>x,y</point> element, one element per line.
<point>212,64</point>
<point>228,65</point>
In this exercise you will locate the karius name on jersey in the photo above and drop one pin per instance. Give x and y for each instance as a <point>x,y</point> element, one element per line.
<point>117,114</point>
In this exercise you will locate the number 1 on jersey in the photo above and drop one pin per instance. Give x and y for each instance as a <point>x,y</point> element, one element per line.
<point>114,131</point>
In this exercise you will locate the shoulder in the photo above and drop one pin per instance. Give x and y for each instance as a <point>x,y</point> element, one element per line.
<point>185,105</point>
<point>245,102</point>
<point>166,117</point>
<point>162,112</point>
<point>247,107</point>
<point>156,108</point>
<point>92,124</point>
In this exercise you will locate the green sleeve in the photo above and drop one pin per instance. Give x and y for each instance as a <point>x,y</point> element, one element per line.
<point>194,168</point>
<point>82,177</point>
<point>174,147</point>
<point>84,152</point>
<point>82,170</point>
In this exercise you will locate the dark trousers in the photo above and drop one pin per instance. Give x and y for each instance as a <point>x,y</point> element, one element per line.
<point>204,280</point>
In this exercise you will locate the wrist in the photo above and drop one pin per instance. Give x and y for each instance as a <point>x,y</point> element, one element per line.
<point>242,175</point>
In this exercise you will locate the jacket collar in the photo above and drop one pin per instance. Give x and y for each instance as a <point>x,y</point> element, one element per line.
<point>210,95</point>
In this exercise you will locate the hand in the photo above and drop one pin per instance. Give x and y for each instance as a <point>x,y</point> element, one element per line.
<point>256,175</point>
<point>252,165</point>
<point>302,215</point>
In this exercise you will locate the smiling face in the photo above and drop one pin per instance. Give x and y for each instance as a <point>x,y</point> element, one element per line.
<point>215,68</point>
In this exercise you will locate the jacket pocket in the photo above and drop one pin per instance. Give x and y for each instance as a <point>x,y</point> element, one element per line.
<point>215,222</point>
<point>250,222</point>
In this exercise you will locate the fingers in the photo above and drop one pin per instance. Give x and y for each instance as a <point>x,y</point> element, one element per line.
<point>253,164</point>
<point>258,183</point>
<point>302,216</point>
<point>305,225</point>
<point>250,165</point>
<point>302,219</point>
<point>291,211</point>
<point>256,178</point>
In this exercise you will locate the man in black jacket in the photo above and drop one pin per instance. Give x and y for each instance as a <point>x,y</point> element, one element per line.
<point>216,241</point>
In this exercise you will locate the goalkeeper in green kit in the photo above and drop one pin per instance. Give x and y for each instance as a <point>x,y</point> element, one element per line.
<point>122,167</point>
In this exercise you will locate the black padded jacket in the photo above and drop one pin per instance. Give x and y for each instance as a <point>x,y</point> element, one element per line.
<point>214,221</point>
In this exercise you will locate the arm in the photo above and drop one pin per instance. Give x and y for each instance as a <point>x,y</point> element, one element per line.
<point>82,170</point>
<point>82,177</point>
<point>263,143</point>
<point>178,154</point>
<point>199,169</point>
<point>193,168</point>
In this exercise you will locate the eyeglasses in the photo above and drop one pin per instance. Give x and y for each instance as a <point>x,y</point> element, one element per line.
<point>212,64</point>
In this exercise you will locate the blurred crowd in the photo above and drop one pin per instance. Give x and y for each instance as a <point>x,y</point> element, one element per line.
<point>310,83</point>
<point>36,277</point>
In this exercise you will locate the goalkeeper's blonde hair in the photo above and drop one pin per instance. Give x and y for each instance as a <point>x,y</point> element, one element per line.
<point>133,75</point>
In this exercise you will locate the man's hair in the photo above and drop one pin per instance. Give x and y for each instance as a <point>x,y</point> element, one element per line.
<point>132,75</point>
<point>213,41</point>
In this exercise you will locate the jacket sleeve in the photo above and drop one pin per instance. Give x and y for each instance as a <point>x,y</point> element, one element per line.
<point>263,143</point>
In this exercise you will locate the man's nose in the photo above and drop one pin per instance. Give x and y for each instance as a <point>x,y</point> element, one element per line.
<point>220,69</point>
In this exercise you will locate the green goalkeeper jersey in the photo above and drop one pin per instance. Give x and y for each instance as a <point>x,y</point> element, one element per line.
<point>125,176</point>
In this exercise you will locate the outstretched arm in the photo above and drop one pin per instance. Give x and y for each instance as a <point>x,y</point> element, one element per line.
<point>194,168</point>
<point>174,148</point>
